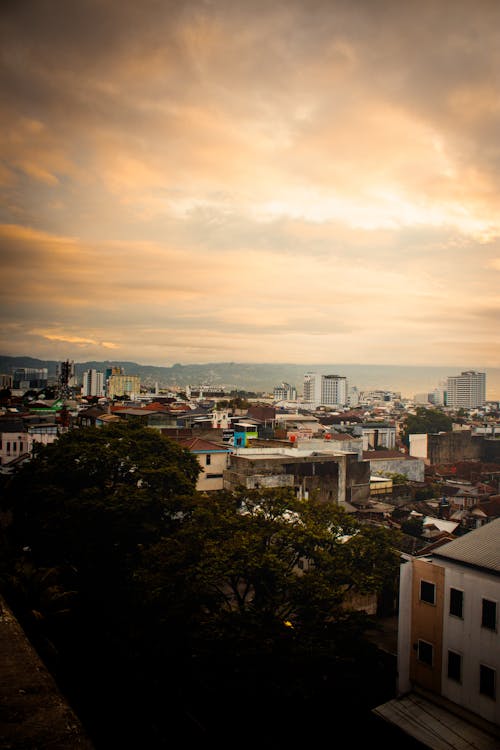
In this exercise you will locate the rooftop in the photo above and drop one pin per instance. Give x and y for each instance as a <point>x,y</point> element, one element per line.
<point>479,548</point>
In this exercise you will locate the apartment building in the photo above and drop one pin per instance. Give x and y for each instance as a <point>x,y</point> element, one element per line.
<point>93,383</point>
<point>325,390</point>
<point>123,385</point>
<point>466,391</point>
<point>449,644</point>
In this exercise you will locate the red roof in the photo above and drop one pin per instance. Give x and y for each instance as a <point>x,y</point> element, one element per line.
<point>197,445</point>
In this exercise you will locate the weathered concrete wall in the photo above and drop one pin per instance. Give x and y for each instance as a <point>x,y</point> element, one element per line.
<point>450,447</point>
<point>413,469</point>
<point>33,713</point>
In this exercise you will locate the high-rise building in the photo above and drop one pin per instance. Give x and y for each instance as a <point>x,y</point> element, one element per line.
<point>325,390</point>
<point>285,392</point>
<point>312,388</point>
<point>334,390</point>
<point>30,377</point>
<point>123,385</point>
<point>93,383</point>
<point>466,391</point>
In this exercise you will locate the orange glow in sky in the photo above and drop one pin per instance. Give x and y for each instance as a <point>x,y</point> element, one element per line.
<point>251,181</point>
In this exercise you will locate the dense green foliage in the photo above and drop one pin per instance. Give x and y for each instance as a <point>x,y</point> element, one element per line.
<point>164,610</point>
<point>426,421</point>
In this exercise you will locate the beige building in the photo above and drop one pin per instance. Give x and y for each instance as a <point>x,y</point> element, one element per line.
<point>123,385</point>
<point>213,459</point>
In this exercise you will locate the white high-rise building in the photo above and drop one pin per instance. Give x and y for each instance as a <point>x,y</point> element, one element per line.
<point>325,390</point>
<point>312,388</point>
<point>285,392</point>
<point>334,390</point>
<point>466,391</point>
<point>93,383</point>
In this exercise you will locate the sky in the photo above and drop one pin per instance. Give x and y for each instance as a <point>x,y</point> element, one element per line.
<point>193,182</point>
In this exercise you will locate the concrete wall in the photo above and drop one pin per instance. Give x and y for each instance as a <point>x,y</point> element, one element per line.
<point>413,469</point>
<point>329,477</point>
<point>33,713</point>
<point>450,447</point>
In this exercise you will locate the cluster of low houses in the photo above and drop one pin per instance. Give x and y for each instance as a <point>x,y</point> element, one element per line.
<point>357,463</point>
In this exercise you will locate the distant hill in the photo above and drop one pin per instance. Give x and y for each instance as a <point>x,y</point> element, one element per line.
<point>262,377</point>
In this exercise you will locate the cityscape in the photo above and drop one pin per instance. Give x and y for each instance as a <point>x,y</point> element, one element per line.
<point>250,374</point>
<point>428,467</point>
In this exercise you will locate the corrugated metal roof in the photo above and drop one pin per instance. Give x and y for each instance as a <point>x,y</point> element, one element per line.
<point>434,726</point>
<point>480,547</point>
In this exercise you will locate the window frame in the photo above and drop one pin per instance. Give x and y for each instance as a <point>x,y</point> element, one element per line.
<point>427,645</point>
<point>423,583</point>
<point>456,614</point>
<point>487,693</point>
<point>449,672</point>
<point>487,621</point>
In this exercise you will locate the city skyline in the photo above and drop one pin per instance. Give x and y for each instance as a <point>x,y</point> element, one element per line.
<point>199,182</point>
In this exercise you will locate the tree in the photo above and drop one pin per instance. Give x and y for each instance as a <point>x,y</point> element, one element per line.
<point>162,603</point>
<point>255,590</point>
<point>426,421</point>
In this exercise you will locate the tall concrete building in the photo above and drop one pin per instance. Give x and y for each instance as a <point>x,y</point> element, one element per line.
<point>334,390</point>
<point>325,390</point>
<point>285,392</point>
<point>312,388</point>
<point>24,378</point>
<point>123,385</point>
<point>466,391</point>
<point>93,383</point>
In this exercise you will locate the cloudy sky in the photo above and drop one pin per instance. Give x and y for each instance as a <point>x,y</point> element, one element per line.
<point>251,181</point>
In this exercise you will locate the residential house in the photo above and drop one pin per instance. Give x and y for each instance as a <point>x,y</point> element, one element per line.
<point>213,459</point>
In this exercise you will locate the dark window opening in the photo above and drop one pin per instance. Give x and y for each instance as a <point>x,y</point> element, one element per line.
<point>427,592</point>
<point>487,681</point>
<point>456,602</point>
<point>425,652</point>
<point>454,666</point>
<point>489,614</point>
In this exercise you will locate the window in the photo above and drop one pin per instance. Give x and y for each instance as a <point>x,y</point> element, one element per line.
<point>425,652</point>
<point>208,459</point>
<point>489,614</point>
<point>214,476</point>
<point>456,602</point>
<point>454,666</point>
<point>427,592</point>
<point>487,681</point>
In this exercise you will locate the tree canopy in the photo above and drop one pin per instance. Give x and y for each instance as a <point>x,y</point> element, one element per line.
<point>114,560</point>
<point>426,421</point>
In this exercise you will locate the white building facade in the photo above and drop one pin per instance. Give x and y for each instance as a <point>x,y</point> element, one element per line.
<point>93,383</point>
<point>325,390</point>
<point>466,391</point>
<point>448,635</point>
